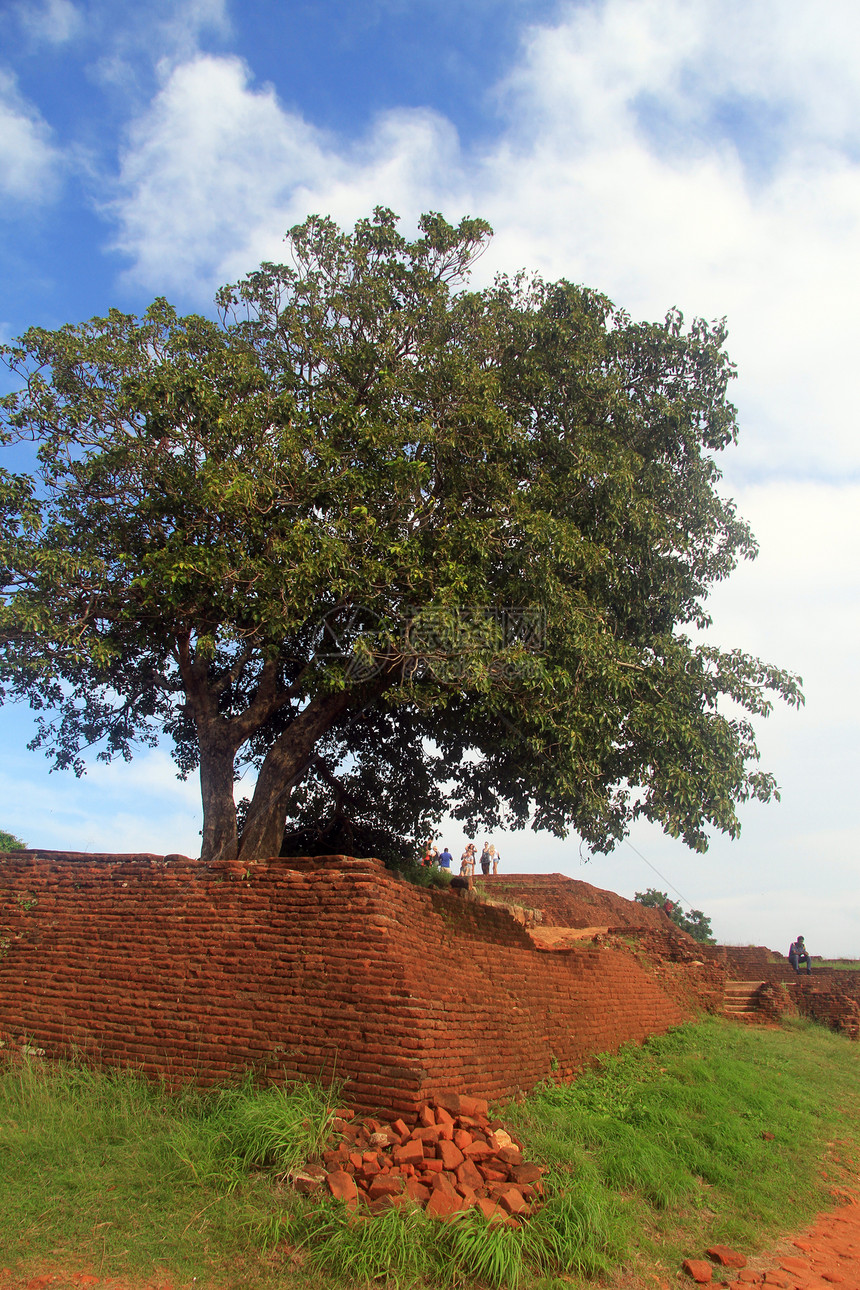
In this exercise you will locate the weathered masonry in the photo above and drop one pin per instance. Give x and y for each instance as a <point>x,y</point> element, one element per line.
<point>313,968</point>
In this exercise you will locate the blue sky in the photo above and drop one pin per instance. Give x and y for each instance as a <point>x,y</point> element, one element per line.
<point>698,153</point>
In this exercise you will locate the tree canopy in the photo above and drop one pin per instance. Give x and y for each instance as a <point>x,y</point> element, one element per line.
<point>401,545</point>
<point>695,923</point>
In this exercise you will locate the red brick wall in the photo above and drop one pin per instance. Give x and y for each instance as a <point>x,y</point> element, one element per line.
<point>752,963</point>
<point>301,968</point>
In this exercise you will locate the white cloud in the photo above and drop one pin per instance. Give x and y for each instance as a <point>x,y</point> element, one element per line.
<point>694,154</point>
<point>627,165</point>
<point>55,21</point>
<point>215,172</point>
<point>29,163</point>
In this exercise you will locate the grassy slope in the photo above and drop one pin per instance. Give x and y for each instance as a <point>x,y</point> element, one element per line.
<point>653,1155</point>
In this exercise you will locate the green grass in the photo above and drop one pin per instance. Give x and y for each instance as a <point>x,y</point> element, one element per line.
<point>840,965</point>
<point>104,1171</point>
<point>650,1156</point>
<point>675,1130</point>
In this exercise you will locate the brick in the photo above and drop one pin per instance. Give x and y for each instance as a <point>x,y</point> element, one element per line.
<point>425,1135</point>
<point>342,1186</point>
<point>410,1152</point>
<point>417,1191</point>
<point>726,1257</point>
<point>386,1185</point>
<point>468,1176</point>
<point>490,1209</point>
<point>698,1269</point>
<point>510,1155</point>
<point>513,1202</point>
<point>443,1205</point>
<point>449,1102</point>
<point>450,1155</point>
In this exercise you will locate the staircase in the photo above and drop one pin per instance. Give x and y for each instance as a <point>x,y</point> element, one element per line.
<point>739,998</point>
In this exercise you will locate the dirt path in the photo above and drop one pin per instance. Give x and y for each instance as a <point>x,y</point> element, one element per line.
<point>825,1256</point>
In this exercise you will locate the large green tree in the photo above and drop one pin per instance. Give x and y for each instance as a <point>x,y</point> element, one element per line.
<point>388,539</point>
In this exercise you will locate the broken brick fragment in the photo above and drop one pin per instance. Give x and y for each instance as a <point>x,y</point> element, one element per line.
<point>449,1102</point>
<point>342,1186</point>
<point>726,1257</point>
<point>510,1155</point>
<point>309,1179</point>
<point>430,1134</point>
<point>512,1201</point>
<point>468,1176</point>
<point>417,1191</point>
<point>477,1151</point>
<point>450,1155</point>
<point>385,1185</point>
<point>490,1209</point>
<point>698,1269</point>
<point>442,1182</point>
<point>443,1204</point>
<point>410,1152</point>
<point>476,1106</point>
<point>527,1173</point>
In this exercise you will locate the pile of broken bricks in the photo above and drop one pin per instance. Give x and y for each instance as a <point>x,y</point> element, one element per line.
<point>453,1158</point>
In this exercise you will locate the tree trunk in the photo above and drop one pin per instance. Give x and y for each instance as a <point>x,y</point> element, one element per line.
<point>284,766</point>
<point>220,840</point>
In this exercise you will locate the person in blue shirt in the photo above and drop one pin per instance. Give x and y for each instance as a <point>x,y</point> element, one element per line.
<point>445,859</point>
<point>798,954</point>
